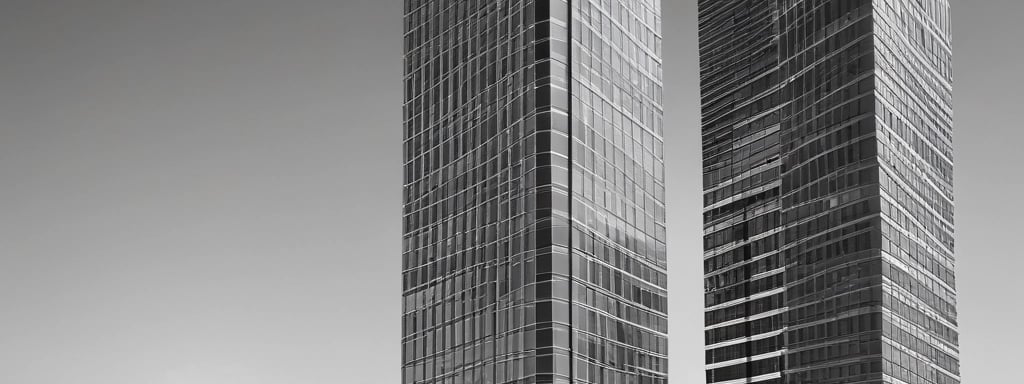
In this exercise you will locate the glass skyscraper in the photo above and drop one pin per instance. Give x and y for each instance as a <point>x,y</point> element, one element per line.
<point>828,207</point>
<point>533,215</point>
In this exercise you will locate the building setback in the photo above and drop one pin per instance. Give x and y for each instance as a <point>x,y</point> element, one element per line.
<point>533,192</point>
<point>828,206</point>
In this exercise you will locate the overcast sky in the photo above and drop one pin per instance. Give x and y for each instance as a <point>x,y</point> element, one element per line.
<point>208,191</point>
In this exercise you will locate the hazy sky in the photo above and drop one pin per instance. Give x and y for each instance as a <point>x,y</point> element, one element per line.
<point>208,191</point>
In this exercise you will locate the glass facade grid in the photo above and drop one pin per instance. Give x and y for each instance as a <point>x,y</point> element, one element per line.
<point>533,217</point>
<point>827,179</point>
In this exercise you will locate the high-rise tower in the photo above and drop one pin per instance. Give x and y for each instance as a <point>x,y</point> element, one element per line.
<point>828,249</point>
<point>533,216</point>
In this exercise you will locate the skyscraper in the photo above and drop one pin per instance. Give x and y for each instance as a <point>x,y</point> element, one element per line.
<point>533,216</point>
<point>828,206</point>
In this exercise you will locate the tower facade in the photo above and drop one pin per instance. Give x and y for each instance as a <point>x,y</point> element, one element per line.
<point>533,192</point>
<point>828,207</point>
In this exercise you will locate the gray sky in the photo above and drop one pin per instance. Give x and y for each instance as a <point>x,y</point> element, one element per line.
<point>208,191</point>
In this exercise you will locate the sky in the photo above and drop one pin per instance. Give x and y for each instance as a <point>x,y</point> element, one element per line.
<point>208,191</point>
